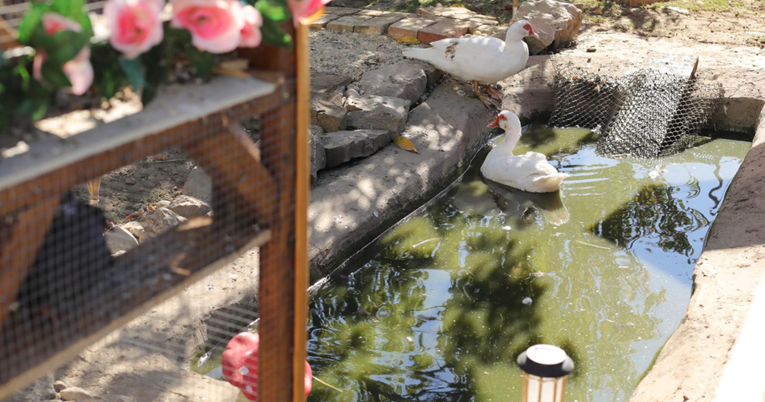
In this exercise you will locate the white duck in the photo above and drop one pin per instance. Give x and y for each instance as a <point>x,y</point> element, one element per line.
<point>478,59</point>
<point>530,172</point>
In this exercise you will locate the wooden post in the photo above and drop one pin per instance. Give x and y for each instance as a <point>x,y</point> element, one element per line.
<point>276,295</point>
<point>302,193</point>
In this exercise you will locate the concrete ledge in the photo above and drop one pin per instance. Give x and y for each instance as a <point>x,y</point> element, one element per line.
<point>725,279</point>
<point>352,205</point>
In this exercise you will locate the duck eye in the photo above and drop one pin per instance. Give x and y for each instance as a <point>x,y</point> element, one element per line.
<point>527,27</point>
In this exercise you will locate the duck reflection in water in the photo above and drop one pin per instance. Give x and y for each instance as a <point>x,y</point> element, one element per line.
<point>476,197</point>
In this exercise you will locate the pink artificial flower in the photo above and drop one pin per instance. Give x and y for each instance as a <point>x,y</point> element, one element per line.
<point>54,23</point>
<point>304,8</point>
<point>215,25</point>
<point>239,364</point>
<point>79,71</point>
<point>136,25</point>
<point>251,35</point>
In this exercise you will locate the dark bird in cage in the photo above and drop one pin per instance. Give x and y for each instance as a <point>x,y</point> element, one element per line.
<point>72,259</point>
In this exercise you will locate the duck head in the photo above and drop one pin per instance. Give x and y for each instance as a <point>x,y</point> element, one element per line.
<point>518,30</point>
<point>507,121</point>
<point>511,124</point>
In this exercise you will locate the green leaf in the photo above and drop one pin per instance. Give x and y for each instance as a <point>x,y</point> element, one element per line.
<point>134,71</point>
<point>273,35</point>
<point>64,46</point>
<point>203,62</point>
<point>55,76</point>
<point>273,11</point>
<point>109,76</point>
<point>157,71</point>
<point>69,8</point>
<point>23,73</point>
<point>31,21</point>
<point>40,109</point>
<point>87,27</point>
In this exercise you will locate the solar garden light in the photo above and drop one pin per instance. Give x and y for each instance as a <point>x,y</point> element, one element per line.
<point>544,370</point>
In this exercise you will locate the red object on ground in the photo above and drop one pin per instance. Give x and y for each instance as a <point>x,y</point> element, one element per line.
<point>240,365</point>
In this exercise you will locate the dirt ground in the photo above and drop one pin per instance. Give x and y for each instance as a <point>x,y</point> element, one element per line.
<point>701,21</point>
<point>742,25</point>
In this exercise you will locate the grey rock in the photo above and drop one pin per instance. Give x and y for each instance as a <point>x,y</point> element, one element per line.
<point>536,46</point>
<point>329,83</point>
<point>434,75</point>
<point>198,185</point>
<point>136,229</point>
<point>189,207</point>
<point>328,112</point>
<point>159,220</point>
<point>59,386</point>
<point>351,93</point>
<point>401,80</point>
<point>316,130</point>
<point>378,113</point>
<point>318,155</point>
<point>76,394</point>
<point>119,239</point>
<point>343,146</point>
<point>164,203</point>
<point>557,23</point>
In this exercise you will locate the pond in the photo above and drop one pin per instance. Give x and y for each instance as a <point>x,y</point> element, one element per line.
<point>447,299</point>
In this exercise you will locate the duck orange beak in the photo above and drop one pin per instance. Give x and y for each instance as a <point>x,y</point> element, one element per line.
<point>495,123</point>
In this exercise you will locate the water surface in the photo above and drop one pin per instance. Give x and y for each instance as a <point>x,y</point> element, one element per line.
<point>449,298</point>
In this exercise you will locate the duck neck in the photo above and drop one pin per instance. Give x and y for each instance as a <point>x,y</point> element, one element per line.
<point>508,143</point>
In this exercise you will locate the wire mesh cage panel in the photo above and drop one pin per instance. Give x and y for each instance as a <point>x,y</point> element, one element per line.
<point>138,243</point>
<point>647,113</point>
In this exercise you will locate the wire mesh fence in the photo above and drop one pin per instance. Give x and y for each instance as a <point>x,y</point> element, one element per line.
<point>647,113</point>
<point>130,235</point>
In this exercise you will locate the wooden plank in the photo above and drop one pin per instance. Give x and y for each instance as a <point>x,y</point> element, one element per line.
<point>20,240</point>
<point>243,185</point>
<point>139,280</point>
<point>51,169</point>
<point>7,36</point>
<point>302,194</point>
<point>174,106</point>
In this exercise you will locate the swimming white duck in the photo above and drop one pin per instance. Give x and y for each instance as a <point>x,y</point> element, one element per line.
<point>478,59</point>
<point>529,172</point>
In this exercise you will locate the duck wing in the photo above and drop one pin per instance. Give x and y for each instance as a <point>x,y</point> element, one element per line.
<point>470,59</point>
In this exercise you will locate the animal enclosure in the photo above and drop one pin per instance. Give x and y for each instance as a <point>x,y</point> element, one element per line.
<point>64,285</point>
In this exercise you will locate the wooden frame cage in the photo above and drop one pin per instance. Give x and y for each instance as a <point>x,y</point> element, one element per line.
<point>259,199</point>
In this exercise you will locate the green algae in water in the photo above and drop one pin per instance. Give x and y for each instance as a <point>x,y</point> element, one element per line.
<point>602,269</point>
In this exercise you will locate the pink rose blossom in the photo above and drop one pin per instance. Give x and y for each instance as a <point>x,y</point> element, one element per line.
<point>136,25</point>
<point>304,8</point>
<point>215,25</point>
<point>79,71</point>
<point>251,35</point>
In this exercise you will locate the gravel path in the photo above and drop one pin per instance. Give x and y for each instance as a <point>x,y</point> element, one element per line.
<point>352,54</point>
